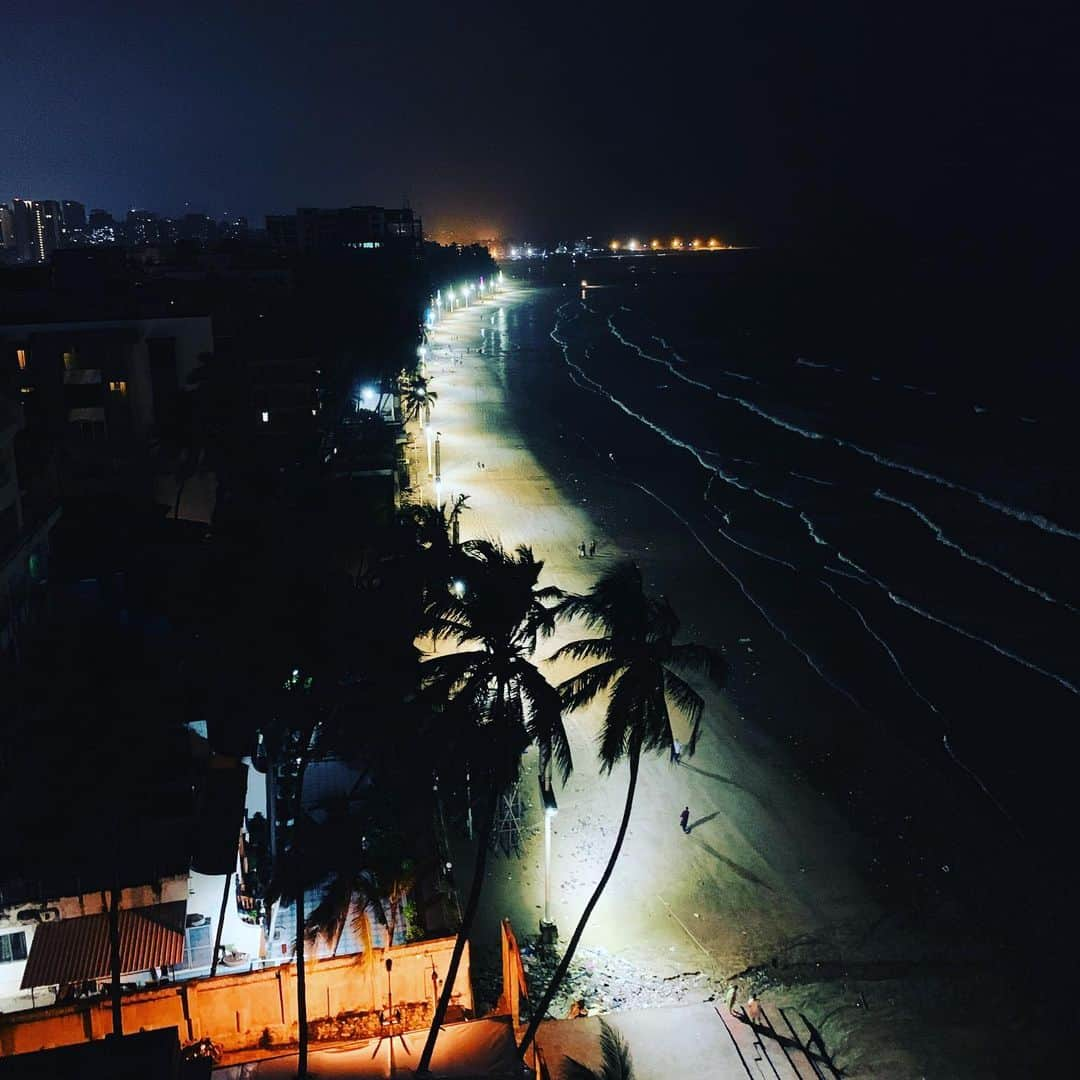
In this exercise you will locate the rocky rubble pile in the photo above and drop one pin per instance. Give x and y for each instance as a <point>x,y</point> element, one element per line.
<point>605,982</point>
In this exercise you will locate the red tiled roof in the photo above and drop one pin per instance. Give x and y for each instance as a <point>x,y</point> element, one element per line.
<point>72,950</point>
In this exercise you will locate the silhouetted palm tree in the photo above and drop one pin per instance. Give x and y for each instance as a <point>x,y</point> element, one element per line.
<point>417,398</point>
<point>496,702</point>
<point>635,660</point>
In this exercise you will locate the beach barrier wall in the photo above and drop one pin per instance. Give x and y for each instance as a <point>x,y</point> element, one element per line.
<point>250,1009</point>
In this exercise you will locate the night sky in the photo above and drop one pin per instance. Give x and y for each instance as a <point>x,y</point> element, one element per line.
<point>753,121</point>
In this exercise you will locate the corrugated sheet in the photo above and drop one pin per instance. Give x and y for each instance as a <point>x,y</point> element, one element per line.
<point>72,950</point>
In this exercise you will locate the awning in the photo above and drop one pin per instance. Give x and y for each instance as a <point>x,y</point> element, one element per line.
<point>72,950</point>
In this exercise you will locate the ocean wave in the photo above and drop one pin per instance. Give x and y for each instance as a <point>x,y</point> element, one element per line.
<point>971,557</point>
<point>813,532</point>
<point>979,780</point>
<point>885,645</point>
<point>665,345</point>
<point>812,479</point>
<point>698,454</point>
<point>999,649</point>
<point>814,665</point>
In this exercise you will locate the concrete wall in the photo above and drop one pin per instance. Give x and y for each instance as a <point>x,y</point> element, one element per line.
<point>240,1011</point>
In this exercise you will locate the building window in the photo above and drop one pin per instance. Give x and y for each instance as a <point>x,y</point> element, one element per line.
<point>198,948</point>
<point>20,356</point>
<point>69,359</point>
<point>12,947</point>
<point>118,387</point>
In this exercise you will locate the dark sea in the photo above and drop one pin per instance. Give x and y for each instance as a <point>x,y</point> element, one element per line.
<point>879,469</point>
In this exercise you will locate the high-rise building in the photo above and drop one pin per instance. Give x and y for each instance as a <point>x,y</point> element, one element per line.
<point>141,228</point>
<point>74,225</point>
<point>355,227</point>
<point>49,223</point>
<point>102,228</point>
<point>22,213</point>
<point>197,228</point>
<point>7,229</point>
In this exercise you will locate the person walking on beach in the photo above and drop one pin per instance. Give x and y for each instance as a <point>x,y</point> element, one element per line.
<point>684,819</point>
<point>592,549</point>
<point>676,751</point>
<point>581,550</point>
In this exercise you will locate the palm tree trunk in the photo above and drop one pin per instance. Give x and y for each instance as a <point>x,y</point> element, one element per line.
<point>467,919</point>
<point>301,937</point>
<point>301,988</point>
<point>114,958</point>
<point>560,972</point>
<point>220,924</point>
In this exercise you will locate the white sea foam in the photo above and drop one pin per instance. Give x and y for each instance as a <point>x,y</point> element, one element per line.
<point>971,557</point>
<point>743,589</point>
<point>885,645</point>
<point>978,780</point>
<point>812,479</point>
<point>810,527</point>
<point>999,649</point>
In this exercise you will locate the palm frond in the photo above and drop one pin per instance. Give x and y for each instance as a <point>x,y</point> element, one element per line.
<point>595,648</point>
<point>614,1055</point>
<point>700,658</point>
<point>544,717</point>
<point>581,689</point>
<point>688,701</point>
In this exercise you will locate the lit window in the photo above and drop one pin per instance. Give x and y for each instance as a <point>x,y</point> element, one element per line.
<point>26,389</point>
<point>69,360</point>
<point>20,356</point>
<point>266,418</point>
<point>119,387</point>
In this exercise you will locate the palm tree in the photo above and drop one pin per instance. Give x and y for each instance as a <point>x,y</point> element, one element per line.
<point>615,1063</point>
<point>417,399</point>
<point>496,701</point>
<point>368,876</point>
<point>635,660</point>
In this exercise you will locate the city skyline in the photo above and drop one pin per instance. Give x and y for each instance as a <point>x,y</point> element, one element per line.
<point>778,128</point>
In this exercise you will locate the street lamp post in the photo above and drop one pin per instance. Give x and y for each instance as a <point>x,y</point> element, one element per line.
<point>390,1013</point>
<point>438,471</point>
<point>549,933</point>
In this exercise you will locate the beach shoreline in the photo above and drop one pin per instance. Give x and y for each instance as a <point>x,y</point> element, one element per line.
<point>770,885</point>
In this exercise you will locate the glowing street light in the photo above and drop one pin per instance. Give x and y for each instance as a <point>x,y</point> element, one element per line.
<point>438,471</point>
<point>548,932</point>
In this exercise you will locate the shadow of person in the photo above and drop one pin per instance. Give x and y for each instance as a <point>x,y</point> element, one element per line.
<point>701,821</point>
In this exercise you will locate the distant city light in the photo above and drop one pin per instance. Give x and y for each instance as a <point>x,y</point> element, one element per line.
<point>632,245</point>
<point>584,283</point>
<point>614,245</point>
<point>369,394</point>
<point>655,244</point>
<point>265,417</point>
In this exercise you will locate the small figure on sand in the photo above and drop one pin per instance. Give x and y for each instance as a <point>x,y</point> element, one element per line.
<point>581,550</point>
<point>684,819</point>
<point>676,750</point>
<point>592,549</point>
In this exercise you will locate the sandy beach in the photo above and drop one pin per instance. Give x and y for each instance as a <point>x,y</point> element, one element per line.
<point>765,890</point>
